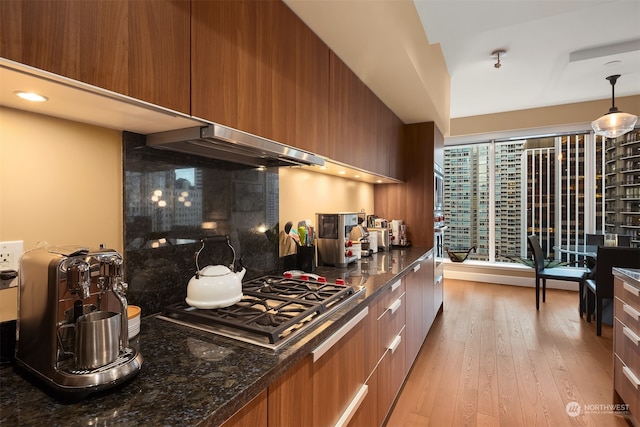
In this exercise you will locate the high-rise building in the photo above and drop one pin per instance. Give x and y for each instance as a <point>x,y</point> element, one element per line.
<point>497,193</point>
<point>622,190</point>
<point>466,195</point>
<point>508,198</point>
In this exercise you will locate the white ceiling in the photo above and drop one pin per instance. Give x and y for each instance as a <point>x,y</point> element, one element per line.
<point>558,51</point>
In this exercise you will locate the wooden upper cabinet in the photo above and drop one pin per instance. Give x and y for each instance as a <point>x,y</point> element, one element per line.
<point>312,91</point>
<point>224,63</point>
<point>83,40</point>
<point>349,114</point>
<point>363,131</point>
<point>276,73</point>
<point>135,48</point>
<point>257,67</point>
<point>159,57</point>
<point>389,141</point>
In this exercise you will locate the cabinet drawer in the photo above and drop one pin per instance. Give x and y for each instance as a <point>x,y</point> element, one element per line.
<point>391,372</point>
<point>626,386</point>
<point>627,346</point>
<point>628,293</point>
<point>627,314</point>
<point>391,322</point>
<point>389,296</point>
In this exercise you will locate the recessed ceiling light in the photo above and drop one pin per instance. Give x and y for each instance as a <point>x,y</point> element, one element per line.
<point>342,172</point>
<point>357,176</point>
<point>31,96</point>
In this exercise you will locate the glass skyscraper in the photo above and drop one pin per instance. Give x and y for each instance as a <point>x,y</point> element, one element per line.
<point>497,193</point>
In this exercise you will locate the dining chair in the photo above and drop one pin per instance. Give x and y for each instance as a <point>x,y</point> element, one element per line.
<point>624,241</point>
<point>601,287</point>
<point>570,274</point>
<point>594,239</point>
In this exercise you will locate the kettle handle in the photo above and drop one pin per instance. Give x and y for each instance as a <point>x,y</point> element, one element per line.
<point>215,239</point>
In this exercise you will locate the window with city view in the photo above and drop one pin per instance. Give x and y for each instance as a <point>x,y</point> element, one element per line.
<point>559,188</point>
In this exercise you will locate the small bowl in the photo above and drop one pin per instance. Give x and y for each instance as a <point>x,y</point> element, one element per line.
<point>133,315</point>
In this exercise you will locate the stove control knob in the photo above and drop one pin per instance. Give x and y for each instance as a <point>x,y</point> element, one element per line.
<point>349,253</point>
<point>349,243</point>
<point>340,282</point>
<point>304,277</point>
<point>288,275</point>
<point>322,279</point>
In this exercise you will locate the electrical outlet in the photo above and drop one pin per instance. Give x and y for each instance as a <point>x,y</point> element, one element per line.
<point>10,253</point>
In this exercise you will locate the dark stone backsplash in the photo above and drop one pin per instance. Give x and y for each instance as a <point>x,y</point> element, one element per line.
<point>172,201</point>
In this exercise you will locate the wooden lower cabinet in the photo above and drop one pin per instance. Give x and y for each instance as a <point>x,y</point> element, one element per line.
<point>355,375</point>
<point>384,382</point>
<point>339,372</point>
<point>290,397</point>
<point>421,295</point>
<point>253,414</point>
<point>626,348</point>
<point>367,413</point>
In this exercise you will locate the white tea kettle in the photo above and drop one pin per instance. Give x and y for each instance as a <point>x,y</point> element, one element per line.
<point>215,286</point>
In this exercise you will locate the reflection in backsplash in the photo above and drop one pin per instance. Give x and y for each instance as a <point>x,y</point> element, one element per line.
<point>173,200</point>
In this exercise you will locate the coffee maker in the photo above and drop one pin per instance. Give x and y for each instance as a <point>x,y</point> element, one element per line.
<point>334,246</point>
<point>72,330</point>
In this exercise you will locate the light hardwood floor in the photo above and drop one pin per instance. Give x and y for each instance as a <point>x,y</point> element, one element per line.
<point>491,359</point>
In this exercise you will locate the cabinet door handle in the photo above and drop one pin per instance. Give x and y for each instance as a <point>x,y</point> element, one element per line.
<point>631,289</point>
<point>353,406</point>
<point>326,345</point>
<point>631,335</point>
<point>396,305</point>
<point>396,285</point>
<point>416,268</point>
<point>631,311</point>
<point>635,382</point>
<point>395,343</point>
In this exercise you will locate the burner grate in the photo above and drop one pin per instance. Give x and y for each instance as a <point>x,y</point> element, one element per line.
<point>271,307</point>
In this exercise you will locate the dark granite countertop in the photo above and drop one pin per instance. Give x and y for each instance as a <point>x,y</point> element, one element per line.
<point>190,376</point>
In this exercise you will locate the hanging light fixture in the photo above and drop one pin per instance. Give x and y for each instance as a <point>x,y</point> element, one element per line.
<point>497,54</point>
<point>615,123</point>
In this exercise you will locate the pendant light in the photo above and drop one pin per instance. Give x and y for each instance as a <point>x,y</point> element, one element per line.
<point>615,123</point>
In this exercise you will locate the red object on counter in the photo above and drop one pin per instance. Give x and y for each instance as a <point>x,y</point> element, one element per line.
<point>340,282</point>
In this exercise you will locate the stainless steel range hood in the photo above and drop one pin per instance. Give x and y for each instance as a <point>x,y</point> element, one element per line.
<point>224,143</point>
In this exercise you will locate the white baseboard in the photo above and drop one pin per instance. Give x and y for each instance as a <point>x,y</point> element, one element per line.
<point>509,274</point>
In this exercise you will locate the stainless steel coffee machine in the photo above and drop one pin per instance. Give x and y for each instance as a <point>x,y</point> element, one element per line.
<point>72,328</point>
<point>334,246</point>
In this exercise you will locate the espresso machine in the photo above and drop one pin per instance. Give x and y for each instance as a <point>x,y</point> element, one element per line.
<point>72,330</point>
<point>334,246</point>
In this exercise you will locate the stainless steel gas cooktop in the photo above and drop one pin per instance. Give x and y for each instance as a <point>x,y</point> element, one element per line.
<point>272,311</point>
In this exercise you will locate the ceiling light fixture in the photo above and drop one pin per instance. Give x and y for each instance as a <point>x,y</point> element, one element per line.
<point>497,54</point>
<point>31,96</point>
<point>615,123</point>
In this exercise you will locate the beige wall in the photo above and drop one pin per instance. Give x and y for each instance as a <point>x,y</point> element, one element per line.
<point>60,181</point>
<point>568,114</point>
<point>304,193</point>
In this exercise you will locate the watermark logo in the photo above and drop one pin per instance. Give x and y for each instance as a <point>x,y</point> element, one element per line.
<point>574,408</point>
